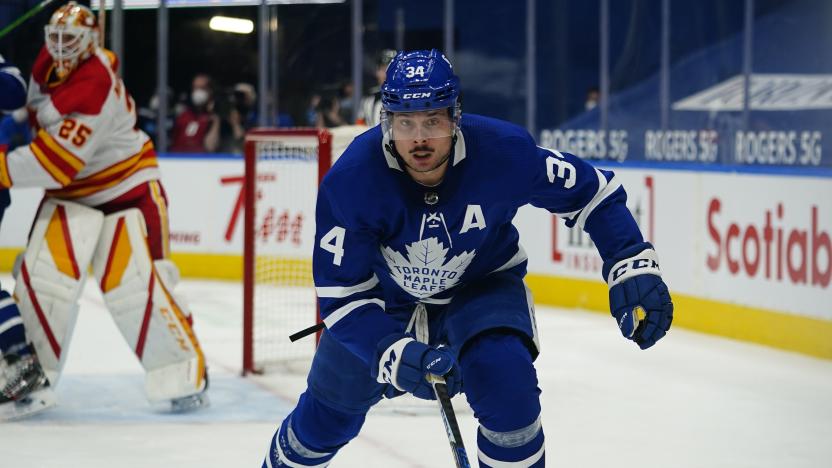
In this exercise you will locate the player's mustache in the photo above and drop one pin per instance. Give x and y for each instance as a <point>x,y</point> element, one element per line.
<point>421,149</point>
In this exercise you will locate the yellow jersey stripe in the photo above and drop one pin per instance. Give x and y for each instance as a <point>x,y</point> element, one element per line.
<point>53,170</point>
<point>63,153</point>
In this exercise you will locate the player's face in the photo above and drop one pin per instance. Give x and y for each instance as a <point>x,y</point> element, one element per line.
<point>424,139</point>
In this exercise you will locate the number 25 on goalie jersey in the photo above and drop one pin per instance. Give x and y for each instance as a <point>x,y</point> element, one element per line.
<point>384,241</point>
<point>86,148</point>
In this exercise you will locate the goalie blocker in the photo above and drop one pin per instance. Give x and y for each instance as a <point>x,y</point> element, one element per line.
<point>66,238</point>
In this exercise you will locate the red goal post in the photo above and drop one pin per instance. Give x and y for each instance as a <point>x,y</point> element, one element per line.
<point>283,167</point>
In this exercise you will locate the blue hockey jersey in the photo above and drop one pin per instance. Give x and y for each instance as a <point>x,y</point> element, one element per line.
<point>384,242</point>
<point>12,87</point>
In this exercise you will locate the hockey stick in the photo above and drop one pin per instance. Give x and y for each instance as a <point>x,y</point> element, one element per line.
<point>449,418</point>
<point>306,332</point>
<point>33,11</point>
<point>446,409</point>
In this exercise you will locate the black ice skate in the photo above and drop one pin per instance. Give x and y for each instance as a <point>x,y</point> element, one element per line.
<point>24,375</point>
<point>25,388</point>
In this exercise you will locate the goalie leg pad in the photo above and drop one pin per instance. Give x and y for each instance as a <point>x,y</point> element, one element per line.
<point>500,383</point>
<point>312,434</point>
<point>51,277</point>
<point>155,324</point>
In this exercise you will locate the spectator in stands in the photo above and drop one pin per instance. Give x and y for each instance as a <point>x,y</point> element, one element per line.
<point>345,101</point>
<point>312,109</point>
<point>592,98</point>
<point>147,115</point>
<point>328,115</point>
<point>197,129</point>
<point>370,108</point>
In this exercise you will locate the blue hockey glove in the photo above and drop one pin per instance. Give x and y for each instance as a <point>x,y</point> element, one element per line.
<point>639,299</point>
<point>404,363</point>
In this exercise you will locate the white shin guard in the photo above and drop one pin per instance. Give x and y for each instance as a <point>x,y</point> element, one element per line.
<point>138,293</point>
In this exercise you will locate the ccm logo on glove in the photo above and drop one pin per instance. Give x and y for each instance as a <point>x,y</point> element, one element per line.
<point>433,363</point>
<point>646,262</point>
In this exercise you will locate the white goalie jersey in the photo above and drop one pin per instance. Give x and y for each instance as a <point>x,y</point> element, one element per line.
<point>86,147</point>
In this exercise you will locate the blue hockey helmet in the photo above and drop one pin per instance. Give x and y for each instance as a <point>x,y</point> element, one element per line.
<point>418,81</point>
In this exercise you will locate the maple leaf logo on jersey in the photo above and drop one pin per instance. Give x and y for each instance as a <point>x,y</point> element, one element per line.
<point>424,272</point>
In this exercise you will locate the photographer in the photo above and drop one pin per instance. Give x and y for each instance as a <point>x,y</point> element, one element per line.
<point>241,116</point>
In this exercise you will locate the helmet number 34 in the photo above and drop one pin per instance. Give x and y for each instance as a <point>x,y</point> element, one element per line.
<point>410,72</point>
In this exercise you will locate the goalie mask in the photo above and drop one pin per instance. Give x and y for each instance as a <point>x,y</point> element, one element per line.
<point>71,36</point>
<point>420,97</point>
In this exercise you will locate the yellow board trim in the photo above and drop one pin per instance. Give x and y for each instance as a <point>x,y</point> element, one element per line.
<point>211,266</point>
<point>7,256</point>
<point>781,330</point>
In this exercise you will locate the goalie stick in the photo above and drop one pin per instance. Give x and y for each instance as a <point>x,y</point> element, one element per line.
<point>33,11</point>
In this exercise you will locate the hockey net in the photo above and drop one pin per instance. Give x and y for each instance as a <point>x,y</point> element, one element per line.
<point>283,168</point>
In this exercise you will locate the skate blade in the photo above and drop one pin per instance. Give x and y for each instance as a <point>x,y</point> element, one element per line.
<point>190,403</point>
<point>33,403</point>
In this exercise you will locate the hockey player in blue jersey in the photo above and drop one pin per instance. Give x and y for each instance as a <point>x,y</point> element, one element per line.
<point>12,97</point>
<point>12,87</point>
<point>19,374</point>
<point>418,269</point>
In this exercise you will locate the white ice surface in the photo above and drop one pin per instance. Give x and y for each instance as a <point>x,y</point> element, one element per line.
<point>692,401</point>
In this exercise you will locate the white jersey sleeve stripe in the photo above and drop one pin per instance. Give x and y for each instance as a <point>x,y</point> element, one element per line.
<point>605,189</point>
<point>8,324</point>
<point>342,311</point>
<point>344,291</point>
<point>518,258</point>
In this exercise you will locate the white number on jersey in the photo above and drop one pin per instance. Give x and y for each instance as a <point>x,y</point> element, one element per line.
<point>413,71</point>
<point>333,242</point>
<point>563,166</point>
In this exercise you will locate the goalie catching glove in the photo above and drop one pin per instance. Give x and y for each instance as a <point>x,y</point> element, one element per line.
<point>639,299</point>
<point>404,363</point>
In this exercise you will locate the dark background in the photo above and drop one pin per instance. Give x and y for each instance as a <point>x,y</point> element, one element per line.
<point>315,47</point>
